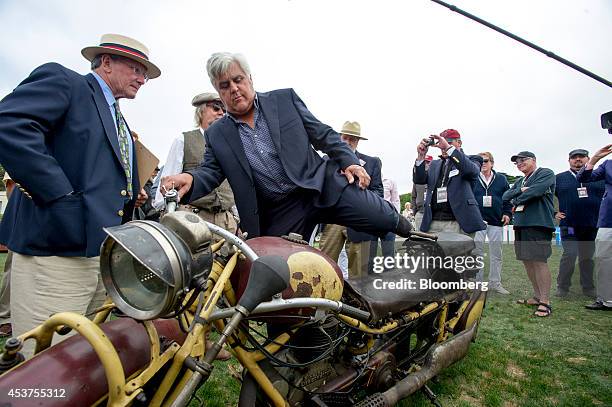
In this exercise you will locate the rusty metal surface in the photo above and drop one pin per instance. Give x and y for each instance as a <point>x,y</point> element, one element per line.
<point>286,249</point>
<point>439,357</point>
<point>313,273</point>
<point>73,367</point>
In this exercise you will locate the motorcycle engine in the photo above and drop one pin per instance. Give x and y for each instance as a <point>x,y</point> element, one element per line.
<point>311,360</point>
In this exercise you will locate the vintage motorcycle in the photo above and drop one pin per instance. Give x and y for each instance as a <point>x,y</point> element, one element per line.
<point>303,335</point>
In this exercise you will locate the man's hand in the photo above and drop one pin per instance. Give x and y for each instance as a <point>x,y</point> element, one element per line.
<point>358,171</point>
<point>599,154</point>
<point>181,182</point>
<point>523,189</point>
<point>559,215</point>
<point>422,148</point>
<point>506,220</point>
<point>442,144</point>
<point>141,198</point>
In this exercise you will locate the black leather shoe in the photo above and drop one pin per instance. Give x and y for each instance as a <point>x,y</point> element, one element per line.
<point>598,306</point>
<point>404,227</point>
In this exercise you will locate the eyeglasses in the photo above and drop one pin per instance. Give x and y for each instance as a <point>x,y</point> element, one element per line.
<point>521,160</point>
<point>138,71</point>
<point>216,107</point>
<point>486,160</point>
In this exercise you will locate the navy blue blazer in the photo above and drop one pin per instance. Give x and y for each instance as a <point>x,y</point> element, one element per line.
<point>57,136</point>
<point>603,172</point>
<point>459,189</point>
<point>493,214</point>
<point>296,133</point>
<point>373,166</point>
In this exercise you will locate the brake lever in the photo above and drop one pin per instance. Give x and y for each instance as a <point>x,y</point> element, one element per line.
<point>171,198</point>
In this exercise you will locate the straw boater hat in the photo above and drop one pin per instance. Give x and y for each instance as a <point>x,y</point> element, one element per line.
<point>116,44</point>
<point>352,129</point>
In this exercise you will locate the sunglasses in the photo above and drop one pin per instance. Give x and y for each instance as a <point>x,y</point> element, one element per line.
<point>216,107</point>
<point>486,160</point>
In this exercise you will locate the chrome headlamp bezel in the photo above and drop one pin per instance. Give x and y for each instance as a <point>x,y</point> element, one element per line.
<point>165,252</point>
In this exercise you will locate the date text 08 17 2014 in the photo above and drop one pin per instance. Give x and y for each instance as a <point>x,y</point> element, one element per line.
<point>35,393</point>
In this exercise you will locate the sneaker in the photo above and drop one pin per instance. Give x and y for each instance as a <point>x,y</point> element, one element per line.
<point>598,306</point>
<point>500,290</point>
<point>6,330</point>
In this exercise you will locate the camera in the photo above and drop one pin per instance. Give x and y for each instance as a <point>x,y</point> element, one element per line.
<point>606,121</point>
<point>431,142</point>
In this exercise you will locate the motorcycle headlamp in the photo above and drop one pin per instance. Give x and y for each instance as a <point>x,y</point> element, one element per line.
<point>148,267</point>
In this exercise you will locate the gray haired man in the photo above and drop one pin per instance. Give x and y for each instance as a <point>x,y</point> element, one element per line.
<point>266,148</point>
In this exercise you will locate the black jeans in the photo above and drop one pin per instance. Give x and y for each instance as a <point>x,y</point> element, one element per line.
<point>578,242</point>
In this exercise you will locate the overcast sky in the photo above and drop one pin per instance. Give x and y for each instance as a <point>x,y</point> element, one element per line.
<point>403,69</point>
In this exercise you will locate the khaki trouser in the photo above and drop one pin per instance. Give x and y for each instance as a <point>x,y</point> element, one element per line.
<point>5,291</point>
<point>418,219</point>
<point>603,259</point>
<point>333,239</point>
<point>223,219</point>
<point>452,226</point>
<point>42,286</point>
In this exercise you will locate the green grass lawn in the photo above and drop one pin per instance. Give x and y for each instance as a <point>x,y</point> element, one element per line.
<point>517,359</point>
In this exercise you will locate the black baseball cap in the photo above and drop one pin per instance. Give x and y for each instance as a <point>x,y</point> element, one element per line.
<point>522,154</point>
<point>579,151</point>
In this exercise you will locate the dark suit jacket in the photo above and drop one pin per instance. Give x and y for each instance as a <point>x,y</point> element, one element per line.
<point>579,212</point>
<point>603,172</point>
<point>459,189</point>
<point>57,136</point>
<point>296,133</point>
<point>373,166</point>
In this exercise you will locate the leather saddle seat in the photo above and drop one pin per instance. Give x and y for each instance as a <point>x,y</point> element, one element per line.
<point>455,244</point>
<point>405,287</point>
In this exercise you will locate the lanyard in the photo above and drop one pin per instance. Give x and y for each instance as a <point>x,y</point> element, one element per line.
<point>445,171</point>
<point>575,176</point>
<point>484,185</point>
<point>524,180</point>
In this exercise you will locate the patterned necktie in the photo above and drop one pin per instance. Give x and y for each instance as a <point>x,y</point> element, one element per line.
<point>124,146</point>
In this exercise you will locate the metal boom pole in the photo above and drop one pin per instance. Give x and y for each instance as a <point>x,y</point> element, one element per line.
<point>525,42</point>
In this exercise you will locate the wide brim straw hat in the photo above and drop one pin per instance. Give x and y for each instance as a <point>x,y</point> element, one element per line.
<point>117,44</point>
<point>352,129</point>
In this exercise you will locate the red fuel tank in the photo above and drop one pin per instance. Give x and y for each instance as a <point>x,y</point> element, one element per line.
<point>73,369</point>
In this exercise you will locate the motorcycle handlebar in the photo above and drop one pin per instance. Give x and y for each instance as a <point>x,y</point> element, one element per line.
<point>358,314</point>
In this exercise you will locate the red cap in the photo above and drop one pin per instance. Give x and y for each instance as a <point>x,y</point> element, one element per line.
<point>428,158</point>
<point>450,134</point>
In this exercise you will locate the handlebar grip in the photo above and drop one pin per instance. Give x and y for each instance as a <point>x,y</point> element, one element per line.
<point>424,235</point>
<point>358,314</point>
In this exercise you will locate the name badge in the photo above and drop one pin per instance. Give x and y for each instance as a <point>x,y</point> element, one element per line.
<point>582,192</point>
<point>519,208</point>
<point>487,201</point>
<point>441,195</point>
<point>453,173</point>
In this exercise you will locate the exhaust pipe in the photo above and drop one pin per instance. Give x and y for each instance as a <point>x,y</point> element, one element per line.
<point>438,358</point>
